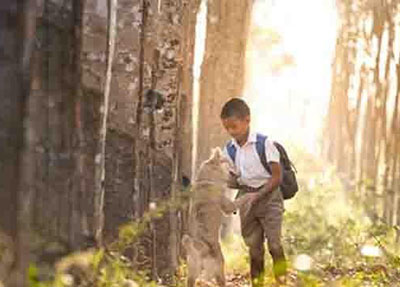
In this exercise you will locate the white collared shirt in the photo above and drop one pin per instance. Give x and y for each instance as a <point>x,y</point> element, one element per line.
<point>248,165</point>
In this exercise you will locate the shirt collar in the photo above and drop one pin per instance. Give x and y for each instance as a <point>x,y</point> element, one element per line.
<point>252,138</point>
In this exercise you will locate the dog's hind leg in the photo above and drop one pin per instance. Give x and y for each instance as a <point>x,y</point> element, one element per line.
<point>194,261</point>
<point>191,281</point>
<point>194,269</point>
<point>219,268</point>
<point>220,278</point>
<point>220,273</point>
<point>193,273</point>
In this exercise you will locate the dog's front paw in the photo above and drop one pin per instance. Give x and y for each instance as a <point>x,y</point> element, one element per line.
<point>244,202</point>
<point>227,205</point>
<point>241,201</point>
<point>233,181</point>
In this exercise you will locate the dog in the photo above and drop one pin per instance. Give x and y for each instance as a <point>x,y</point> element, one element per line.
<point>207,207</point>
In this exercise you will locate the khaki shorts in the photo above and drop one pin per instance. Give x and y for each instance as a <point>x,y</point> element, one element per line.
<point>263,220</point>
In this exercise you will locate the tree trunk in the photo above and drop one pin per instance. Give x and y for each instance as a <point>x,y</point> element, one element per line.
<point>223,69</point>
<point>15,65</point>
<point>77,227</point>
<point>372,142</point>
<point>101,148</point>
<point>389,156</point>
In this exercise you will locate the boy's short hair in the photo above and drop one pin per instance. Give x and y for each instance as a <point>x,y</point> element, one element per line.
<point>235,107</point>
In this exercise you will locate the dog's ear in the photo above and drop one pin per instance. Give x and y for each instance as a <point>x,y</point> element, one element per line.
<point>225,159</point>
<point>216,154</point>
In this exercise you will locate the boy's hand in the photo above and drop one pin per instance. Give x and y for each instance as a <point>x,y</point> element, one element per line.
<point>247,200</point>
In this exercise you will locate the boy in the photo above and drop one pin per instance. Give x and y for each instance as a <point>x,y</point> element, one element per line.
<point>261,215</point>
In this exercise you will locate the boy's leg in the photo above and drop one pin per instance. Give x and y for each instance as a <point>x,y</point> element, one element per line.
<point>272,225</point>
<point>253,235</point>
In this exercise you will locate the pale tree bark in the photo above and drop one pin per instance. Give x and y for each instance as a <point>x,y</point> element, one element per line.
<point>389,155</point>
<point>373,141</point>
<point>396,138</point>
<point>392,156</point>
<point>339,128</point>
<point>186,134</point>
<point>101,148</point>
<point>17,31</point>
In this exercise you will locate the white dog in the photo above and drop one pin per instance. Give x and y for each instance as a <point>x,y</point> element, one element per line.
<point>208,204</point>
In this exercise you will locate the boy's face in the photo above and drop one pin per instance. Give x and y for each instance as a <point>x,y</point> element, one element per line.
<point>237,127</point>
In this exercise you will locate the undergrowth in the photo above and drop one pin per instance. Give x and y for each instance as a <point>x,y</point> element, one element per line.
<point>327,238</point>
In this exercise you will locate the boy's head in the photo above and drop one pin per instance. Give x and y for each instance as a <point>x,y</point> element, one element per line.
<point>235,116</point>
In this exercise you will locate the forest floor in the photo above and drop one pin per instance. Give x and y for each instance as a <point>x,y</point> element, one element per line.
<point>328,240</point>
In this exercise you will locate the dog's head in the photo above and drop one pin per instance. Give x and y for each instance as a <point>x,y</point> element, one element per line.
<point>215,169</point>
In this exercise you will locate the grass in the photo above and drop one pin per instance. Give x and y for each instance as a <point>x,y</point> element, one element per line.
<point>327,238</point>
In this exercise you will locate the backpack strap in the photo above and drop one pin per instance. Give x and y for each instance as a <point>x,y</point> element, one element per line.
<point>260,147</point>
<point>231,149</point>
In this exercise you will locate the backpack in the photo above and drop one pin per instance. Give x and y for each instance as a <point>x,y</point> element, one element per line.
<point>288,185</point>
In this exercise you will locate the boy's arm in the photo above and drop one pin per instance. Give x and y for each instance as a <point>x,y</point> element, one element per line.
<point>274,181</point>
<point>273,156</point>
<point>272,184</point>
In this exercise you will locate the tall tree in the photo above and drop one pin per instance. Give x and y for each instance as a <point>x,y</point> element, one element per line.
<point>367,77</point>
<point>17,30</point>
<point>222,70</point>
